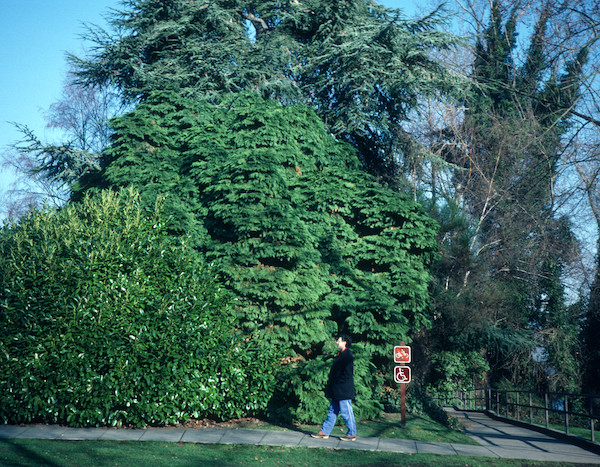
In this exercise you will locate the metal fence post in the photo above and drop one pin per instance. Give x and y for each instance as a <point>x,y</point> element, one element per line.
<point>592,418</point>
<point>546,407</point>
<point>518,407</point>
<point>530,410</point>
<point>497,402</point>
<point>566,415</point>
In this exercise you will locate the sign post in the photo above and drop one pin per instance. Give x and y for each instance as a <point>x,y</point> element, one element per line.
<point>402,355</point>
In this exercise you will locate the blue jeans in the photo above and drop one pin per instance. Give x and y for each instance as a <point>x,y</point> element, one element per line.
<point>344,408</point>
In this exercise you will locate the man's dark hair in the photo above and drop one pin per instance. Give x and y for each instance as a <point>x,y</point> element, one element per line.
<point>346,338</point>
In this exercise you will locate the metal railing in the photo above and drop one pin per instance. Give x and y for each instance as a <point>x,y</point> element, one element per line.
<point>575,414</point>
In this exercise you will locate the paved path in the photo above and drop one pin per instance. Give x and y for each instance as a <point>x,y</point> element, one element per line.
<point>507,440</point>
<point>497,439</point>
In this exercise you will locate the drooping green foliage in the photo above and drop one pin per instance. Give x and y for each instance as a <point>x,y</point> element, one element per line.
<point>361,66</point>
<point>306,242</point>
<point>107,320</point>
<point>455,369</point>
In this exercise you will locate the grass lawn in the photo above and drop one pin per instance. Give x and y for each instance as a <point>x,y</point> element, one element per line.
<point>126,453</point>
<point>39,452</point>
<point>584,433</point>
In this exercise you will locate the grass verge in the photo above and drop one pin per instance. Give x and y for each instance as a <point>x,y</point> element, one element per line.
<point>55,453</point>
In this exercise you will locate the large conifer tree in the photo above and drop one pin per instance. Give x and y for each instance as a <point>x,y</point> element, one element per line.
<point>361,66</point>
<point>306,241</point>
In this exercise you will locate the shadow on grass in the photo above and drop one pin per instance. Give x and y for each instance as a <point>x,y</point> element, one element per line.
<point>11,448</point>
<point>387,426</point>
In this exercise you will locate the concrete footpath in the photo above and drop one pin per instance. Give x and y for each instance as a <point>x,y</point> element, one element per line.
<point>512,441</point>
<point>496,439</point>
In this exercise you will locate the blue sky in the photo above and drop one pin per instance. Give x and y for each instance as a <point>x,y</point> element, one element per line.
<point>36,36</point>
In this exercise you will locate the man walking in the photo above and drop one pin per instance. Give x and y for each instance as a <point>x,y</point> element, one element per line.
<point>340,391</point>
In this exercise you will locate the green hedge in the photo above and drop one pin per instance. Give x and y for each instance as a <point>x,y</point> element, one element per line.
<point>106,320</point>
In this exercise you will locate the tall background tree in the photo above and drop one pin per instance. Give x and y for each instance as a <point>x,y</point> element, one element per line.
<point>47,172</point>
<point>587,164</point>
<point>361,66</point>
<point>507,240</point>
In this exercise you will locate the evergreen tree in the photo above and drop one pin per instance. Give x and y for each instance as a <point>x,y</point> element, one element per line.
<point>361,66</point>
<point>307,243</point>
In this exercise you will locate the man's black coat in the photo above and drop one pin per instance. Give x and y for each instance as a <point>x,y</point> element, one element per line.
<point>340,385</point>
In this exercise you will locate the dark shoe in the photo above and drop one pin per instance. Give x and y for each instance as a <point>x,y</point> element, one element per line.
<point>348,438</point>
<point>320,435</point>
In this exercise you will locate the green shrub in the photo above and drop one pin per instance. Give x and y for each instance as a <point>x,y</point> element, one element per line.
<point>452,370</point>
<point>107,320</point>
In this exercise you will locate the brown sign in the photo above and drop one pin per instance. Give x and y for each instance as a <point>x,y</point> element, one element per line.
<point>402,374</point>
<point>402,354</point>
